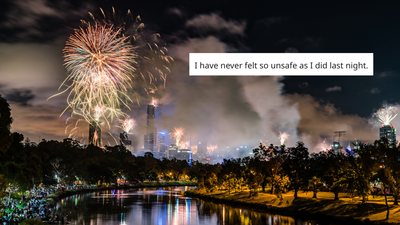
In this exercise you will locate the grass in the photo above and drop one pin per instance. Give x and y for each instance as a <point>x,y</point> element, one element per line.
<point>324,205</point>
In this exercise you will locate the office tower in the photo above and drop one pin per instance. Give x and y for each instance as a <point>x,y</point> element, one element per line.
<point>150,138</point>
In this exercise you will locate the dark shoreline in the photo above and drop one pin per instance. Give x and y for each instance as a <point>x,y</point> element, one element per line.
<point>285,211</point>
<point>55,197</point>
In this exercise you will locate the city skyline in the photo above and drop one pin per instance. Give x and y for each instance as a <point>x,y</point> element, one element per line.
<point>225,111</point>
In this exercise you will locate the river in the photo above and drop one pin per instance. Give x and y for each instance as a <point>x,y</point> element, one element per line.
<point>160,206</point>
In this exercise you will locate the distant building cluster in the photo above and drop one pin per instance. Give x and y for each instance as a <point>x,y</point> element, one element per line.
<point>155,143</point>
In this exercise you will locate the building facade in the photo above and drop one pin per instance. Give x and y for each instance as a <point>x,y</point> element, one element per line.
<point>388,132</point>
<point>172,152</point>
<point>150,138</point>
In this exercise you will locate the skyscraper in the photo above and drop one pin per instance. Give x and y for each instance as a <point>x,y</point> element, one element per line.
<point>162,148</point>
<point>389,132</point>
<point>95,133</point>
<point>172,151</point>
<point>150,138</point>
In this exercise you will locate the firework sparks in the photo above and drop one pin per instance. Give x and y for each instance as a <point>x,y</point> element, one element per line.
<point>211,148</point>
<point>99,63</point>
<point>283,137</point>
<point>128,124</point>
<point>76,132</point>
<point>184,145</point>
<point>194,149</point>
<point>152,54</point>
<point>323,146</point>
<point>98,112</point>
<point>386,115</point>
<point>177,134</point>
<point>107,58</point>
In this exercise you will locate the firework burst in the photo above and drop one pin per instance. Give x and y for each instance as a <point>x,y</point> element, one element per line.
<point>108,60</point>
<point>386,115</point>
<point>194,149</point>
<point>177,134</point>
<point>98,112</point>
<point>184,145</point>
<point>128,124</point>
<point>153,59</point>
<point>283,137</point>
<point>211,148</point>
<point>100,63</point>
<point>76,132</point>
<point>323,146</point>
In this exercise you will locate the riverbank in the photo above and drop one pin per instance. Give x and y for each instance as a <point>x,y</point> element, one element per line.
<point>345,211</point>
<point>52,199</point>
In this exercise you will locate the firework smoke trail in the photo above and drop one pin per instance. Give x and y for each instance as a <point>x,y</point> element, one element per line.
<point>184,145</point>
<point>100,63</point>
<point>76,133</point>
<point>283,137</point>
<point>386,115</point>
<point>128,124</point>
<point>177,134</point>
<point>211,148</point>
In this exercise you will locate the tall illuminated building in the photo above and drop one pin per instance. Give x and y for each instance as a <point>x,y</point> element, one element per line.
<point>389,132</point>
<point>95,133</point>
<point>162,148</point>
<point>172,151</point>
<point>150,138</point>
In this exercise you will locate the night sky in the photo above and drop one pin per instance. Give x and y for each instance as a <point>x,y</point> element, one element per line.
<point>220,110</point>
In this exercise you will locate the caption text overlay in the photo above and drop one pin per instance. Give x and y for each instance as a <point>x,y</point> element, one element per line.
<point>278,64</point>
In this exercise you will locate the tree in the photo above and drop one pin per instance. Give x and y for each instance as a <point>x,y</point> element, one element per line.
<point>5,125</point>
<point>274,161</point>
<point>336,171</point>
<point>295,166</point>
<point>314,185</point>
<point>148,155</point>
<point>255,167</point>
<point>385,167</point>
<point>271,161</point>
<point>58,168</point>
<point>364,167</point>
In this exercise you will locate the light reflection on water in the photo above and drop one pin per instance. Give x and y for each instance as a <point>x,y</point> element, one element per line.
<point>160,206</point>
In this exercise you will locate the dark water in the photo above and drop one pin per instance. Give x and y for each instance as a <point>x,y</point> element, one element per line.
<point>160,206</point>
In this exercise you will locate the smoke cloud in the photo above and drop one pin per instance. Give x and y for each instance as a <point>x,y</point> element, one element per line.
<point>223,111</point>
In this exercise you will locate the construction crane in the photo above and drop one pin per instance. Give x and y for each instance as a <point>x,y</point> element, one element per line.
<point>339,134</point>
